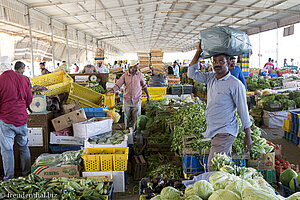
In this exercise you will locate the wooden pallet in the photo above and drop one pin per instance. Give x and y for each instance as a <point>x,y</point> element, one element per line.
<point>139,167</point>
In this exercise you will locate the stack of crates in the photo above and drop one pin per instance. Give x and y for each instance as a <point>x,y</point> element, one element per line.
<point>194,164</point>
<point>295,132</point>
<point>270,176</point>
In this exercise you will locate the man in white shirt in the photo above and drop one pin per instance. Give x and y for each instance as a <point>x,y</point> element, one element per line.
<point>116,65</point>
<point>102,69</point>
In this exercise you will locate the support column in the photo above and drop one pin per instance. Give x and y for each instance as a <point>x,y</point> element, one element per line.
<point>277,40</point>
<point>52,43</point>
<point>86,53</point>
<point>68,53</point>
<point>31,44</point>
<point>259,49</point>
<point>78,51</point>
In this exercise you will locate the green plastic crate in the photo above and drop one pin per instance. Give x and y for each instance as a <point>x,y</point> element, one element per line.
<point>269,175</point>
<point>286,135</point>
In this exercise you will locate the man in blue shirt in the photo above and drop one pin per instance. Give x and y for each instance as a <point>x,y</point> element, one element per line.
<point>225,95</point>
<point>236,71</point>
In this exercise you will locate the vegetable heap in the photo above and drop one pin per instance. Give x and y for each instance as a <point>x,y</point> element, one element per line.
<point>66,158</point>
<point>257,82</point>
<point>117,137</point>
<point>98,89</point>
<point>277,99</point>
<point>190,120</point>
<point>56,188</point>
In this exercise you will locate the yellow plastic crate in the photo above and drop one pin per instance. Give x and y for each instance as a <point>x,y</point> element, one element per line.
<point>86,97</point>
<point>287,125</point>
<point>153,98</point>
<point>157,90</point>
<point>109,100</point>
<point>105,159</point>
<point>51,79</point>
<point>57,89</point>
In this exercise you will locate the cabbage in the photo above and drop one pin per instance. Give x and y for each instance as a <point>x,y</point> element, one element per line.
<point>252,182</point>
<point>169,193</point>
<point>220,180</point>
<point>224,195</point>
<point>251,193</point>
<point>203,189</point>
<point>228,169</point>
<point>189,192</point>
<point>193,197</point>
<point>238,186</point>
<point>287,175</point>
<point>156,198</point>
<point>264,185</point>
<point>295,196</point>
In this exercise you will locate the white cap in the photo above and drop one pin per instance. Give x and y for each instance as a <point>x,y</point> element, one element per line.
<point>5,63</point>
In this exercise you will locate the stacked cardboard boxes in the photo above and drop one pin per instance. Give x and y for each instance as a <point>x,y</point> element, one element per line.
<point>157,62</point>
<point>144,61</point>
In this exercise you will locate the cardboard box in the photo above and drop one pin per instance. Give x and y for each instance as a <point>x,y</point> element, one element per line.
<point>67,120</point>
<point>54,139</point>
<point>93,126</point>
<point>266,161</point>
<point>70,107</point>
<point>35,137</point>
<point>50,172</point>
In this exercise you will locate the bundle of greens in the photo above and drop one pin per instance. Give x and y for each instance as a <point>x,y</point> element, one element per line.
<point>257,82</point>
<point>190,120</point>
<point>277,82</point>
<point>98,89</point>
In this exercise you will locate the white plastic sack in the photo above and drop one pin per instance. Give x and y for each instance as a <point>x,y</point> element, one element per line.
<point>224,39</point>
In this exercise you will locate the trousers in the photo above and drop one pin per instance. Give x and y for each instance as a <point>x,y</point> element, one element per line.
<point>132,111</point>
<point>9,133</point>
<point>221,143</point>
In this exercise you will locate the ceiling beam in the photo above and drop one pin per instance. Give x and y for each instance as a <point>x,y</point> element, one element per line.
<point>273,10</point>
<point>55,3</point>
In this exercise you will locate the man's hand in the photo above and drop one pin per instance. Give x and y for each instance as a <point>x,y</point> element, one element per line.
<point>247,140</point>
<point>199,47</point>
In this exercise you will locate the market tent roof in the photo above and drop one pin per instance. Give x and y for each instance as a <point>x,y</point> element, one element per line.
<point>141,25</point>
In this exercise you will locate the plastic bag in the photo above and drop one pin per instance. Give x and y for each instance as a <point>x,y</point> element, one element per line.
<point>114,115</point>
<point>224,39</point>
<point>158,80</point>
<point>66,158</point>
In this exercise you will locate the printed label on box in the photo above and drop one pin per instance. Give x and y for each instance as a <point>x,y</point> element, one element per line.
<point>35,137</point>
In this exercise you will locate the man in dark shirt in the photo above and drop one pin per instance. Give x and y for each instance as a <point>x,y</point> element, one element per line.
<point>20,69</point>
<point>15,97</point>
<point>43,69</point>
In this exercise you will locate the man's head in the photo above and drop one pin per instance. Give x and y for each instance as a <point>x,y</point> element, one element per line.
<point>292,60</point>
<point>232,62</point>
<point>5,64</point>
<point>42,65</point>
<point>116,62</point>
<point>270,59</point>
<point>99,63</point>
<point>220,64</point>
<point>64,62</point>
<point>174,63</point>
<point>133,69</point>
<point>20,67</point>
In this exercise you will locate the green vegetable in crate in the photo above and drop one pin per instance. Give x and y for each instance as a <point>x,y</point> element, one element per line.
<point>238,186</point>
<point>142,122</point>
<point>297,101</point>
<point>295,196</point>
<point>169,193</point>
<point>203,189</point>
<point>224,195</point>
<point>219,160</point>
<point>287,175</point>
<point>68,157</point>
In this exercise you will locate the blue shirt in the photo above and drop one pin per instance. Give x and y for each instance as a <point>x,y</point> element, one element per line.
<point>237,73</point>
<point>224,96</point>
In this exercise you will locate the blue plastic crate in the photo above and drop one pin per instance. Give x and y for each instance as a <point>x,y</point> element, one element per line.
<point>94,112</point>
<point>294,138</point>
<point>61,149</point>
<point>194,164</point>
<point>240,162</point>
<point>286,191</point>
<point>295,120</point>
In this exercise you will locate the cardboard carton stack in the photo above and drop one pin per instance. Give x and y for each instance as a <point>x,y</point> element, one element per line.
<point>144,60</point>
<point>157,62</point>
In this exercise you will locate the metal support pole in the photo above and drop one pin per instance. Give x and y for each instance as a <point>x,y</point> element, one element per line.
<point>86,53</point>
<point>93,41</point>
<point>78,52</point>
<point>259,49</point>
<point>68,53</point>
<point>277,40</point>
<point>52,43</point>
<point>31,44</point>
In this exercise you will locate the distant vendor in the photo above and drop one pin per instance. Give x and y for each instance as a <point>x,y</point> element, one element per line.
<point>236,71</point>
<point>134,83</point>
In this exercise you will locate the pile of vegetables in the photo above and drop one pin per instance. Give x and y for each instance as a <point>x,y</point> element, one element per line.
<point>115,137</point>
<point>276,82</point>
<point>165,167</point>
<point>155,186</point>
<point>276,99</point>
<point>256,82</point>
<point>190,120</point>
<point>66,158</point>
<point>281,164</point>
<point>98,89</point>
<point>56,188</point>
